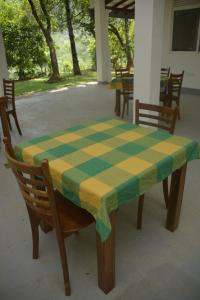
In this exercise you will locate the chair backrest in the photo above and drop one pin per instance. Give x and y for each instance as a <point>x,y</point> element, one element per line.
<point>34,182</point>
<point>122,72</point>
<point>127,86</point>
<point>164,72</point>
<point>4,117</point>
<point>9,92</point>
<point>175,84</point>
<point>163,117</point>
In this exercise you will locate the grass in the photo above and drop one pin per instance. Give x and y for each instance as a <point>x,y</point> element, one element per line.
<point>41,85</point>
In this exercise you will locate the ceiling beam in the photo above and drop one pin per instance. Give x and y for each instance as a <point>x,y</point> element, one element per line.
<point>119,3</point>
<point>130,4</point>
<point>108,1</point>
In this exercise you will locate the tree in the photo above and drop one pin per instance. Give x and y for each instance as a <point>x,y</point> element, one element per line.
<point>76,68</point>
<point>44,22</point>
<point>24,44</point>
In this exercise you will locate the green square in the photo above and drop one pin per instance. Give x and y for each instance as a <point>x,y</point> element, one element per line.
<point>81,143</point>
<point>147,179</point>
<point>56,152</point>
<point>61,150</point>
<point>179,158</point>
<point>94,166</point>
<point>99,136</point>
<point>192,150</point>
<point>146,141</point>
<point>114,131</point>
<point>127,126</point>
<point>164,168</point>
<point>161,135</point>
<point>75,128</point>
<point>127,191</point>
<point>39,139</point>
<point>131,148</point>
<point>113,176</point>
<point>114,142</point>
<point>114,157</point>
<point>144,130</point>
<point>76,158</point>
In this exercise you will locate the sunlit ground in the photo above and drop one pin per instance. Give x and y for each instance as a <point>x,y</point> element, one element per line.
<point>40,84</point>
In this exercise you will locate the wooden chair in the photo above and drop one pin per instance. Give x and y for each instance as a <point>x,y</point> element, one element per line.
<point>122,72</point>
<point>163,118</point>
<point>9,92</point>
<point>4,118</point>
<point>127,93</point>
<point>164,74</point>
<point>174,91</point>
<point>47,205</point>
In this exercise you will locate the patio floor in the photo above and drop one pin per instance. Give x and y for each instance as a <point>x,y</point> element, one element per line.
<point>152,264</point>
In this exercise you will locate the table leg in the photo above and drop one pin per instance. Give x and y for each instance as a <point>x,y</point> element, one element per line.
<point>118,103</point>
<point>106,259</point>
<point>175,199</point>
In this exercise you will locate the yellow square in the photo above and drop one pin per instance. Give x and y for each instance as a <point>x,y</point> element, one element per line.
<point>57,168</point>
<point>134,165</point>
<point>30,152</point>
<point>92,191</point>
<point>67,138</point>
<point>166,148</point>
<point>101,127</point>
<point>96,149</point>
<point>130,136</point>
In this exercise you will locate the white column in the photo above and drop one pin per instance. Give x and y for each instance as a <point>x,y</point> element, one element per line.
<point>3,64</point>
<point>102,48</point>
<point>149,15</point>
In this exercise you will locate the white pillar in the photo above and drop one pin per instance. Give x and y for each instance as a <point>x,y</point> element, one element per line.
<point>102,48</point>
<point>3,64</point>
<point>149,15</point>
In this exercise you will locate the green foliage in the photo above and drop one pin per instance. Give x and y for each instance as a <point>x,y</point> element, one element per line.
<point>25,47</point>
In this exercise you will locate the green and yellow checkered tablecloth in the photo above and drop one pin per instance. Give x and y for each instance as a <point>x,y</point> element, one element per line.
<point>106,163</point>
<point>119,82</point>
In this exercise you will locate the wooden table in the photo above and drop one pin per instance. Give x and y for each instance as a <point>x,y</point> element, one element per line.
<point>107,163</point>
<point>127,81</point>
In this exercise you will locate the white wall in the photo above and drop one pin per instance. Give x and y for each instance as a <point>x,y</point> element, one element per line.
<point>148,49</point>
<point>178,61</point>
<point>3,64</point>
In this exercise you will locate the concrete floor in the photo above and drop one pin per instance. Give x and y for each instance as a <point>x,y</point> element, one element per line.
<point>152,264</point>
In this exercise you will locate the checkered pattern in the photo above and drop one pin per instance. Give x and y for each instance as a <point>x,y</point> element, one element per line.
<point>117,83</point>
<point>106,163</point>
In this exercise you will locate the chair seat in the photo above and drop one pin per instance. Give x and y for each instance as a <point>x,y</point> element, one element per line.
<point>72,217</point>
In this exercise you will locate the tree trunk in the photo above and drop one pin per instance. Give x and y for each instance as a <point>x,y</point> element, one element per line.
<point>55,76</point>
<point>76,68</point>
<point>128,49</point>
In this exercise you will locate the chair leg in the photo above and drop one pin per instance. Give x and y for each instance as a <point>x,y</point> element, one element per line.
<point>62,249</point>
<point>127,107</point>
<point>9,123</point>
<point>17,123</point>
<point>124,106</point>
<point>166,191</point>
<point>35,232</point>
<point>179,115</point>
<point>140,211</point>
